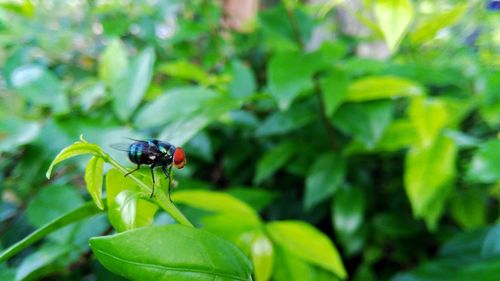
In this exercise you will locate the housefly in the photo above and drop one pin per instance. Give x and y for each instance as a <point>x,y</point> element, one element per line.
<point>154,153</point>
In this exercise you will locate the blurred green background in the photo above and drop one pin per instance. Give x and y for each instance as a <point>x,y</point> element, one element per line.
<point>375,121</point>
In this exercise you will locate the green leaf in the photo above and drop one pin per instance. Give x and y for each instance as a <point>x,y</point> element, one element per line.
<point>126,209</point>
<point>334,90</point>
<point>129,88</point>
<point>86,210</point>
<point>428,178</point>
<point>243,83</point>
<point>273,160</point>
<point>394,18</point>
<point>40,86</point>
<point>428,29</point>
<point>171,252</point>
<point>187,126</point>
<point>382,87</point>
<point>186,70</point>
<point>325,177</point>
<point>491,244</point>
<point>113,62</point>
<point>485,165</point>
<point>48,259</point>
<point>93,179</point>
<point>282,122</point>
<point>161,111</point>
<point>288,74</point>
<point>288,267</point>
<point>365,122</point>
<point>429,116</point>
<point>348,211</point>
<point>16,132</point>
<point>52,202</point>
<point>77,148</point>
<point>258,198</point>
<point>398,135</point>
<point>217,202</point>
<point>262,257</point>
<point>307,243</point>
<point>469,208</point>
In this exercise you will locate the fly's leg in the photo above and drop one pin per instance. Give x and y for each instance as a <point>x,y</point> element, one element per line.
<point>153,177</point>
<point>167,174</point>
<point>138,167</point>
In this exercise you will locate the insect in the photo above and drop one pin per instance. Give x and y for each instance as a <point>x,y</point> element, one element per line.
<point>154,153</point>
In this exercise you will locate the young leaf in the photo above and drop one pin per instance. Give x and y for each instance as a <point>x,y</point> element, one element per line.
<point>382,87</point>
<point>126,210</point>
<point>428,178</point>
<point>428,29</point>
<point>326,175</point>
<point>172,252</point>
<point>129,89</point>
<point>262,257</point>
<point>93,179</point>
<point>307,243</point>
<point>394,18</point>
<point>78,148</point>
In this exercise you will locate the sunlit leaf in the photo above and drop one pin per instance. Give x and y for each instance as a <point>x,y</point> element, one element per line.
<point>307,243</point>
<point>428,29</point>
<point>382,87</point>
<point>172,252</point>
<point>429,175</point>
<point>262,257</point>
<point>394,18</point>
<point>429,116</point>
<point>216,202</point>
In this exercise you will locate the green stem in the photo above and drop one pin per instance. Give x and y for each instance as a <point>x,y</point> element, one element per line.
<point>160,197</point>
<point>87,210</point>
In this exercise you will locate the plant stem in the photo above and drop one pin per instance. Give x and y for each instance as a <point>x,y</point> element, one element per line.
<point>87,210</point>
<point>160,197</point>
<point>330,132</point>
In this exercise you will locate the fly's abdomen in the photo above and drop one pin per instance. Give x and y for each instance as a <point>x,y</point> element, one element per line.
<point>138,153</point>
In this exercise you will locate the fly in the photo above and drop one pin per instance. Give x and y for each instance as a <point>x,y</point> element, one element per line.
<point>155,153</point>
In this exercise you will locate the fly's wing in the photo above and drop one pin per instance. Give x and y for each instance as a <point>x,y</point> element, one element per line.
<point>121,146</point>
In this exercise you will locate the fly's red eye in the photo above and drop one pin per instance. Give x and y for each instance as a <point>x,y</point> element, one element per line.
<point>179,158</point>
